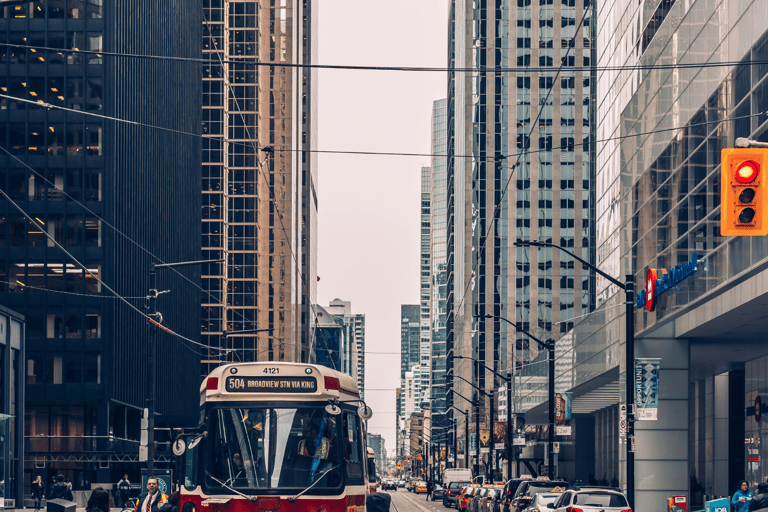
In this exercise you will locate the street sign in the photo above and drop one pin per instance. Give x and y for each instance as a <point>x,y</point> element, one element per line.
<point>623,427</point>
<point>556,447</point>
<point>623,411</point>
<point>632,443</point>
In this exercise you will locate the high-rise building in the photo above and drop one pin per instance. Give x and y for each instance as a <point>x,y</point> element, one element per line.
<point>438,259</point>
<point>353,358</point>
<point>259,179</point>
<point>377,443</point>
<point>425,281</point>
<point>410,350</point>
<point>109,181</point>
<point>519,169</point>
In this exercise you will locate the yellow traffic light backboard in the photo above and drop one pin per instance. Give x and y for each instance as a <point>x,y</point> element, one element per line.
<point>744,192</point>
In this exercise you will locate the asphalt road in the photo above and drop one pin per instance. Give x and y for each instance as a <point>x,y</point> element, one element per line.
<point>406,501</point>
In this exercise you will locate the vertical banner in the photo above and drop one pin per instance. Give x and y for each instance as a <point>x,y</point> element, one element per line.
<point>647,388</point>
<point>499,435</point>
<point>472,445</point>
<point>485,440</point>
<point>563,413</point>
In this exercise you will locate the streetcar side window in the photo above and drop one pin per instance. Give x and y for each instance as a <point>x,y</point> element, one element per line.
<point>353,450</point>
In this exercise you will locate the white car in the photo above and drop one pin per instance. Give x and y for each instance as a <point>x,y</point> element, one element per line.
<point>541,500</point>
<point>592,499</point>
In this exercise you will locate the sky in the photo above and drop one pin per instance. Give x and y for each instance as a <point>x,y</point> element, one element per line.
<point>369,206</point>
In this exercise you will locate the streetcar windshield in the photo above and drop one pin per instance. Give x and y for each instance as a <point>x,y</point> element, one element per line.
<point>273,447</point>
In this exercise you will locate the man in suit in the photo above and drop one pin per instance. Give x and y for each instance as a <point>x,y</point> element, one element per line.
<point>151,500</point>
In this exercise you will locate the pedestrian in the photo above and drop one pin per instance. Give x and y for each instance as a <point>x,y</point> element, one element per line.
<point>430,487</point>
<point>38,491</point>
<point>172,505</point>
<point>60,489</point>
<point>98,501</point>
<point>759,501</point>
<point>150,501</point>
<point>123,490</point>
<point>741,498</point>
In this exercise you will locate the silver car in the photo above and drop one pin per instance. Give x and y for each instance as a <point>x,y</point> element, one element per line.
<point>592,500</point>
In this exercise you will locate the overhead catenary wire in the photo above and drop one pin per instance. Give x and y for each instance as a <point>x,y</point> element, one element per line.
<point>428,69</point>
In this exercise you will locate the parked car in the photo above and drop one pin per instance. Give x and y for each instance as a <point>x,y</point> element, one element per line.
<point>477,497</point>
<point>592,499</point>
<point>466,496</point>
<point>450,493</point>
<point>509,491</point>
<point>540,501</point>
<point>437,493</point>
<point>526,491</point>
<point>486,504</point>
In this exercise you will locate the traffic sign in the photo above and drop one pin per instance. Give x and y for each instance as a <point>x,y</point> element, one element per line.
<point>623,427</point>
<point>556,447</point>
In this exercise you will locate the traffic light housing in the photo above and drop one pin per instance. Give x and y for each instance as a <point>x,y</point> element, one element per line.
<point>744,192</point>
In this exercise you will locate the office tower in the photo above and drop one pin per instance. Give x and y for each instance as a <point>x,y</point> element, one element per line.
<point>438,262</point>
<point>425,281</point>
<point>353,358</point>
<point>410,347</point>
<point>259,179</point>
<point>519,169</point>
<point>114,182</point>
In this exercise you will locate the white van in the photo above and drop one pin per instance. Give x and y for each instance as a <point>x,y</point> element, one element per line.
<point>463,475</point>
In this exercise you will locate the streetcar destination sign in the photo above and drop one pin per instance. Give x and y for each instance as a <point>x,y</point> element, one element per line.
<point>271,384</point>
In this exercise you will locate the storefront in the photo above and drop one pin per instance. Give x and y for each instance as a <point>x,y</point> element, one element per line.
<point>11,408</point>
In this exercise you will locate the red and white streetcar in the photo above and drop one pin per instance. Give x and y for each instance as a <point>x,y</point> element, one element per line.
<point>285,437</point>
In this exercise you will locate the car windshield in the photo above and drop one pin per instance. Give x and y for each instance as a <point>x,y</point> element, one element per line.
<point>269,448</point>
<point>543,499</point>
<point>600,499</point>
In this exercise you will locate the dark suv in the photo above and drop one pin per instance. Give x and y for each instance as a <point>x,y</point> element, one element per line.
<point>450,493</point>
<point>509,491</point>
<point>527,489</point>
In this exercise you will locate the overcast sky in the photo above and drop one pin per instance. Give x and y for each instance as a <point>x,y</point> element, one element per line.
<point>369,206</point>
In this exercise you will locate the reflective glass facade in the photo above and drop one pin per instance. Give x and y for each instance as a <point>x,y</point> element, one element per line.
<point>117,197</point>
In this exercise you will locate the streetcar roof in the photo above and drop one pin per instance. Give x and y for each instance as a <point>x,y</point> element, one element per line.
<point>267,379</point>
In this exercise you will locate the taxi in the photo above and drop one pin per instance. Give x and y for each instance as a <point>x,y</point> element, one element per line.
<point>421,487</point>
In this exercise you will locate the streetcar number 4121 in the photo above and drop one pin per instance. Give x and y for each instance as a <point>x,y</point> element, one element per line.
<point>271,370</point>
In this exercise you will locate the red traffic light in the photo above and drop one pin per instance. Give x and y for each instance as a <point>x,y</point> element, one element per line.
<point>743,192</point>
<point>747,171</point>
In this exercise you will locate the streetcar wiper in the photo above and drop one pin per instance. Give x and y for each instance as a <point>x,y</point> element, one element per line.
<point>294,498</point>
<point>230,488</point>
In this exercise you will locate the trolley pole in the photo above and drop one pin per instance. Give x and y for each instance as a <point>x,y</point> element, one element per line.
<point>509,425</point>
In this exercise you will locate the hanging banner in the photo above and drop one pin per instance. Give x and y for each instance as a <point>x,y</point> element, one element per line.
<point>472,445</point>
<point>647,388</point>
<point>499,435</point>
<point>485,440</point>
<point>563,413</point>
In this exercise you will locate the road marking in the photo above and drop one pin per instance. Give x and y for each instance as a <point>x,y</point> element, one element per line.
<point>421,507</point>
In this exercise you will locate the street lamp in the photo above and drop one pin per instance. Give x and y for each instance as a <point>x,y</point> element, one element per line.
<point>629,289</point>
<point>477,421</point>
<point>550,347</point>
<point>508,380</point>
<point>466,433</point>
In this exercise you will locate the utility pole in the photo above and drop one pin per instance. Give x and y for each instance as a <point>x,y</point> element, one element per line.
<point>157,319</point>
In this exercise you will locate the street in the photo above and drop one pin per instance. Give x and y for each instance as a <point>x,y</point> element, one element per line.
<point>405,501</point>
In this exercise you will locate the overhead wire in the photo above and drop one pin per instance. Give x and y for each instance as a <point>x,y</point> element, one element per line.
<point>430,69</point>
<point>90,272</point>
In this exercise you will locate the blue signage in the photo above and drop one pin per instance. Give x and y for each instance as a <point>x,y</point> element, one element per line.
<point>656,287</point>
<point>718,505</point>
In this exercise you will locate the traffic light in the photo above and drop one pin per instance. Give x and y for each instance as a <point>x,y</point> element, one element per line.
<point>744,192</point>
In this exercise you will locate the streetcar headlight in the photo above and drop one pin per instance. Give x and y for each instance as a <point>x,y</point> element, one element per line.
<point>188,507</point>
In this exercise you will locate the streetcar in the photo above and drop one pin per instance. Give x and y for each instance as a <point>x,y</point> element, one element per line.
<point>272,436</point>
<point>372,480</point>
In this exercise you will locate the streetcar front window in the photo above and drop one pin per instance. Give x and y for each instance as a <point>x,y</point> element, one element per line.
<point>270,448</point>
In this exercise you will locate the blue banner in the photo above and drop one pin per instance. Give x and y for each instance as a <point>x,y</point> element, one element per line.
<point>647,388</point>
<point>718,505</point>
